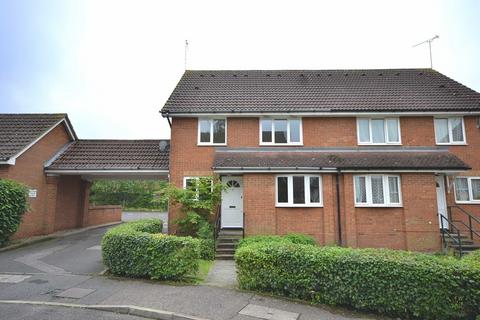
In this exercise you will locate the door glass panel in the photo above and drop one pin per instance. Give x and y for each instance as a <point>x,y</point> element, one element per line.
<point>266,130</point>
<point>282,189</point>
<point>363,130</point>
<point>298,189</point>
<point>378,134</point>
<point>314,189</point>
<point>441,130</point>
<point>204,130</point>
<point>281,131</point>
<point>377,190</point>
<point>218,131</point>
<point>295,130</point>
<point>461,189</point>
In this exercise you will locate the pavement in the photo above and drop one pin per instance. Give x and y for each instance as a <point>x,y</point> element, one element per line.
<point>67,270</point>
<point>222,274</point>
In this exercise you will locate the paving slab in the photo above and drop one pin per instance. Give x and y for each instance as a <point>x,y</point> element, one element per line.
<point>222,274</point>
<point>267,313</point>
<point>75,293</point>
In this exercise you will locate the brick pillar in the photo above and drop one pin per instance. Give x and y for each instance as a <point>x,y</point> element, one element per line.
<point>349,228</point>
<point>50,204</point>
<point>84,208</point>
<point>329,209</point>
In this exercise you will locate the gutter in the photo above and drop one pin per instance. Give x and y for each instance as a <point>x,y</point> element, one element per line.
<point>339,215</point>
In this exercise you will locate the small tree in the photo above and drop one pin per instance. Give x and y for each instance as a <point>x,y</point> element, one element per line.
<point>13,204</point>
<point>198,202</point>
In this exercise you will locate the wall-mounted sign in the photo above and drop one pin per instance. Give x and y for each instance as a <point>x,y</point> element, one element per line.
<point>32,193</point>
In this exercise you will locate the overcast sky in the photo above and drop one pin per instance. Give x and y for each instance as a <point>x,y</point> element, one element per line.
<point>111,65</point>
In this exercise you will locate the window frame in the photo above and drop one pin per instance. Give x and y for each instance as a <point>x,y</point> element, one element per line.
<point>385,131</point>
<point>211,143</point>
<point>306,182</point>
<point>470,190</point>
<point>288,143</point>
<point>449,128</point>
<point>386,191</point>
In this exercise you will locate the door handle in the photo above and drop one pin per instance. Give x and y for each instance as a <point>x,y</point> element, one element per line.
<point>232,207</point>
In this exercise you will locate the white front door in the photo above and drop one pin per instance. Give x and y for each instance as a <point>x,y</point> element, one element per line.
<point>441,201</point>
<point>232,203</point>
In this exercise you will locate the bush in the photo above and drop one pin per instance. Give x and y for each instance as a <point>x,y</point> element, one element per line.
<point>13,204</point>
<point>138,249</point>
<point>473,257</point>
<point>207,245</point>
<point>396,283</point>
<point>295,238</point>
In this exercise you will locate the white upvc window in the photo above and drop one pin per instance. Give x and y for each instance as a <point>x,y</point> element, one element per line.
<point>467,190</point>
<point>298,190</point>
<point>212,131</point>
<point>450,130</point>
<point>377,190</point>
<point>378,131</point>
<point>281,131</point>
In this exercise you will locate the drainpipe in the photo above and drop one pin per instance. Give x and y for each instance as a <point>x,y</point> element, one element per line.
<point>337,185</point>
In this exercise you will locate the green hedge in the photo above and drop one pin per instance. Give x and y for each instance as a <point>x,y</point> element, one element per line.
<point>138,249</point>
<point>13,204</point>
<point>396,283</point>
<point>296,238</point>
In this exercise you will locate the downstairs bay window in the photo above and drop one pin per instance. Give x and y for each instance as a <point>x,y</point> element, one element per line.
<point>299,191</point>
<point>377,191</point>
<point>467,189</point>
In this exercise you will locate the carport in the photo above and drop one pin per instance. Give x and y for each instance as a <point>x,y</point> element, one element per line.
<point>72,170</point>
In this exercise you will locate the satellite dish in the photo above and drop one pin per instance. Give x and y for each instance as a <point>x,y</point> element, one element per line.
<point>163,145</point>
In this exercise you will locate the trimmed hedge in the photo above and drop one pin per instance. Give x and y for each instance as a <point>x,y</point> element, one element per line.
<point>13,204</point>
<point>138,249</point>
<point>391,282</point>
<point>296,238</point>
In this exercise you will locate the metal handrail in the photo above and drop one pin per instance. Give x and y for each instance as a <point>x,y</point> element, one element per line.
<point>470,218</point>
<point>216,226</point>
<point>449,232</point>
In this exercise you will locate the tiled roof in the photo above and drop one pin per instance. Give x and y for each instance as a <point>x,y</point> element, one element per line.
<point>113,155</point>
<point>17,131</point>
<point>353,159</point>
<point>391,90</point>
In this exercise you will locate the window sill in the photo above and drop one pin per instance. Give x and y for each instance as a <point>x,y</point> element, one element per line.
<point>380,144</point>
<point>468,202</point>
<point>280,205</point>
<point>211,144</point>
<point>452,144</point>
<point>378,205</point>
<point>282,144</point>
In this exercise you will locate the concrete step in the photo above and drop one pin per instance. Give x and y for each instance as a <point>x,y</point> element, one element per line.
<point>464,241</point>
<point>226,245</point>
<point>228,240</point>
<point>467,247</point>
<point>231,232</point>
<point>224,256</point>
<point>225,251</point>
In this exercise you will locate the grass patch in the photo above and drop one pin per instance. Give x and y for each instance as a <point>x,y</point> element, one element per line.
<point>204,267</point>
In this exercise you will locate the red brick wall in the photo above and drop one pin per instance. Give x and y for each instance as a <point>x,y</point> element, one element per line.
<point>103,214</point>
<point>69,204</point>
<point>28,169</point>
<point>401,228</point>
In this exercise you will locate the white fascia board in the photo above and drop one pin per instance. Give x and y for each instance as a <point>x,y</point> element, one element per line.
<point>325,114</point>
<point>404,170</point>
<point>10,162</point>
<point>69,130</point>
<point>107,172</point>
<point>328,170</point>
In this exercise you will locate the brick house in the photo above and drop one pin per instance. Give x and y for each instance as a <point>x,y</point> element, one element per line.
<point>43,152</point>
<point>361,158</point>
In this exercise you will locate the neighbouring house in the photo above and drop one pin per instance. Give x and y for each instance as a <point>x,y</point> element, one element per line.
<point>360,158</point>
<point>43,152</point>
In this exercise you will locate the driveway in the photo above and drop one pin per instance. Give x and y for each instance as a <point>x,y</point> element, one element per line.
<point>75,254</point>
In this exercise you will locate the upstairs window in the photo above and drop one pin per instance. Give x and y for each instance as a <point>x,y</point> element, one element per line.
<point>280,131</point>
<point>378,131</point>
<point>212,131</point>
<point>449,130</point>
<point>467,189</point>
<point>299,191</point>
<point>377,191</point>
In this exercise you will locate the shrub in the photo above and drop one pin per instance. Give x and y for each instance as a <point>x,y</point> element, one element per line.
<point>396,283</point>
<point>295,238</point>
<point>13,204</point>
<point>138,249</point>
<point>473,257</point>
<point>207,245</point>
